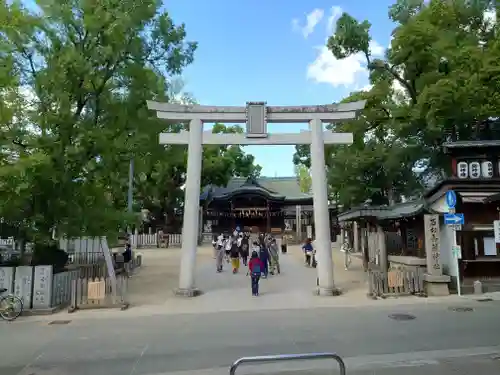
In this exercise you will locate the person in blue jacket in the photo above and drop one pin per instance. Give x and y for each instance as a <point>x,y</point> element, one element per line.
<point>308,251</point>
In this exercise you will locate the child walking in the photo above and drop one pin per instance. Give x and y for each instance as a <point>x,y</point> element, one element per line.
<point>308,251</point>
<point>255,267</point>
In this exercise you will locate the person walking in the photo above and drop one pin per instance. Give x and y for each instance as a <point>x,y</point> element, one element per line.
<point>274,260</point>
<point>264,257</point>
<point>219,257</point>
<point>127,259</point>
<point>308,250</point>
<point>315,254</point>
<point>255,267</point>
<point>214,245</point>
<point>228,243</point>
<point>235,256</point>
<point>284,244</point>
<point>244,249</point>
<point>314,261</point>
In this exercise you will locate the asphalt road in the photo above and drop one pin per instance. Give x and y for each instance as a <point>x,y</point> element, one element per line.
<point>437,341</point>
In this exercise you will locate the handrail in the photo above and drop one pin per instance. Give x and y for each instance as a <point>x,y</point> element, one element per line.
<point>288,357</point>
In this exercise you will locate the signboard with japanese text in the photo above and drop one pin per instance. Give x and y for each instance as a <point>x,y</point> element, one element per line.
<point>42,287</point>
<point>433,244</point>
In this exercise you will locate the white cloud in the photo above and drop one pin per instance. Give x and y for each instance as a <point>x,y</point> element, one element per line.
<point>347,72</point>
<point>335,13</point>
<point>312,20</point>
<point>376,49</point>
<point>350,71</point>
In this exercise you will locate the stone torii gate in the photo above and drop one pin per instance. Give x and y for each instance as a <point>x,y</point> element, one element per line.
<point>256,115</point>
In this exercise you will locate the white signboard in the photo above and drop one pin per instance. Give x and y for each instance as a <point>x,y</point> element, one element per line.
<point>496,230</point>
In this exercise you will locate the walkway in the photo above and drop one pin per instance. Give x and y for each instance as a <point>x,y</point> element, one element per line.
<point>150,291</point>
<point>157,278</point>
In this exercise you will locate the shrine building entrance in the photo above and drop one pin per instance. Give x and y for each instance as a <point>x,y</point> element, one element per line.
<point>254,205</point>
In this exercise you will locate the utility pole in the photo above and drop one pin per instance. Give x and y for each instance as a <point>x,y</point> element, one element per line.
<point>130,185</point>
<point>130,194</point>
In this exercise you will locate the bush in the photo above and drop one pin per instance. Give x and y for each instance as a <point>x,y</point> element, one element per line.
<point>10,263</point>
<point>49,255</point>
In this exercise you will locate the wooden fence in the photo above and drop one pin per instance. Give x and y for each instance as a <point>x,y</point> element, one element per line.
<point>97,292</point>
<point>84,283</point>
<point>154,240</point>
<point>396,282</point>
<point>83,245</point>
<point>94,257</point>
<point>93,287</point>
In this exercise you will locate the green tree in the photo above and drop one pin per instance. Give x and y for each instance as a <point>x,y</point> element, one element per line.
<point>74,80</point>
<point>377,165</point>
<point>304,177</point>
<point>159,187</point>
<point>438,82</point>
<point>441,58</point>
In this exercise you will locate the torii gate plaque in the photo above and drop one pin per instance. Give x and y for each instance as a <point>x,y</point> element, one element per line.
<point>256,115</point>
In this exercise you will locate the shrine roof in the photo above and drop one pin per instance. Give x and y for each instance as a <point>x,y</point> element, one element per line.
<point>277,188</point>
<point>397,211</point>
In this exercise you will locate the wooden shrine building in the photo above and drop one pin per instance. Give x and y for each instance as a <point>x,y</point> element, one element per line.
<point>475,178</point>
<point>265,204</point>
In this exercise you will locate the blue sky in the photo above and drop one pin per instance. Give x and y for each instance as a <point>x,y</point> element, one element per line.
<point>256,50</point>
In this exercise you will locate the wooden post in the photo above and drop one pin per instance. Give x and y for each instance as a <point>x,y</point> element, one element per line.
<point>355,245</point>
<point>364,245</point>
<point>233,221</point>
<point>73,305</point>
<point>382,248</point>
<point>268,224</point>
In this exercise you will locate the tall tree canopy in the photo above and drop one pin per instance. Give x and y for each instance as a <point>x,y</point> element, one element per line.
<point>439,81</point>
<point>74,79</point>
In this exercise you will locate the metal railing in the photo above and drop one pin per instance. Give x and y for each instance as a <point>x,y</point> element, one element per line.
<point>288,357</point>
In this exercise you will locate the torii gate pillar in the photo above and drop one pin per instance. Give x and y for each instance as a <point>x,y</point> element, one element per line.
<point>256,115</point>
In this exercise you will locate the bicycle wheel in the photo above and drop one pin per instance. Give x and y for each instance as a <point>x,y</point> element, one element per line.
<point>11,307</point>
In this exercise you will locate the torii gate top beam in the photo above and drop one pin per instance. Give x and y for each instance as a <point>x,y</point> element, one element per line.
<point>277,114</point>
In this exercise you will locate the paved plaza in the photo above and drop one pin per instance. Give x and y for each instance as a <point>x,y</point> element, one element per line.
<point>158,277</point>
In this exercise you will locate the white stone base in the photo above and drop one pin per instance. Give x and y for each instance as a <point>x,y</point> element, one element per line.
<point>327,292</point>
<point>194,292</point>
<point>437,285</point>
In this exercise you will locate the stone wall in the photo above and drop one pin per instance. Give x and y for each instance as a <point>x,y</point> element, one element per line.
<point>38,287</point>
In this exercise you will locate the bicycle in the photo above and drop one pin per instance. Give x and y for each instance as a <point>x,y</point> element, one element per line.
<point>11,306</point>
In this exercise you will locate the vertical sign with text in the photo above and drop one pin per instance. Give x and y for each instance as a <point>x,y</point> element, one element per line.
<point>432,244</point>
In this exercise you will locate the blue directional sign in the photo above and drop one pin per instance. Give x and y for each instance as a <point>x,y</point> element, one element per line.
<point>451,199</point>
<point>454,219</point>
